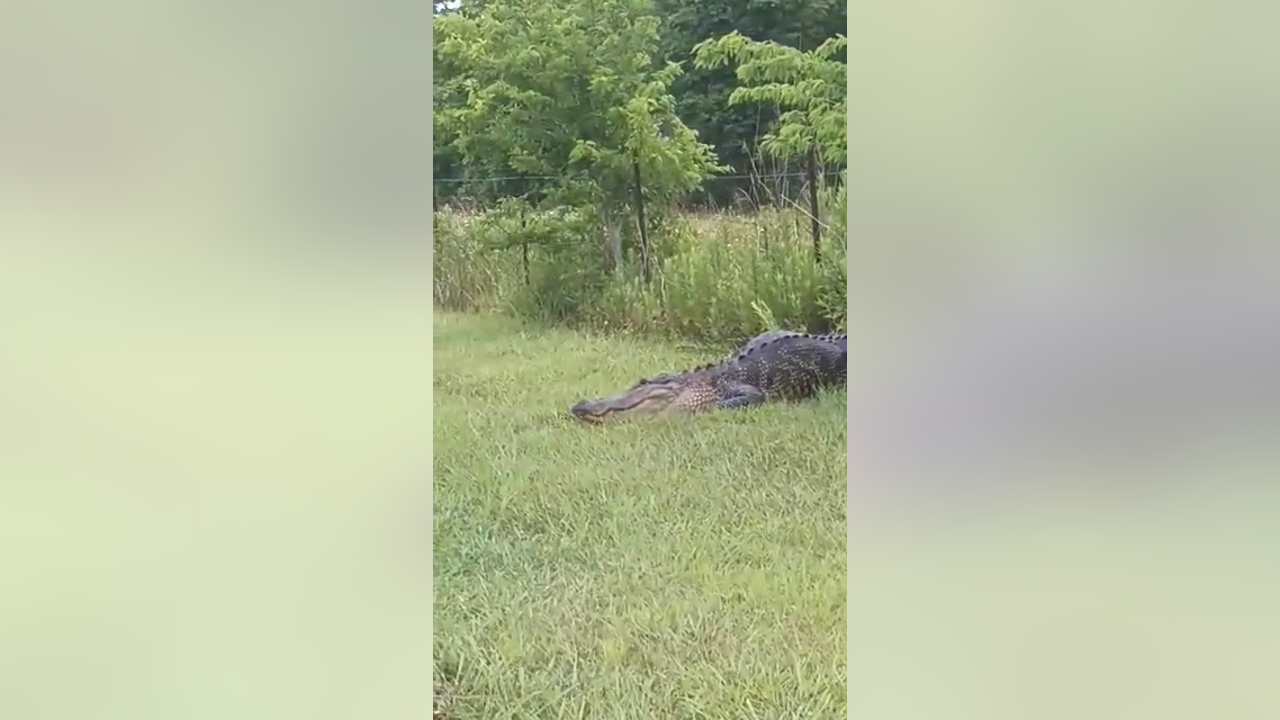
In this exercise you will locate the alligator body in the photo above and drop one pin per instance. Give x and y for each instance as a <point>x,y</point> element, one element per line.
<point>791,366</point>
<point>840,340</point>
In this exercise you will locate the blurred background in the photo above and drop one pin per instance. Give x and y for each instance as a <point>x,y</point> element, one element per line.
<point>214,361</point>
<point>200,112</point>
<point>1063,267</point>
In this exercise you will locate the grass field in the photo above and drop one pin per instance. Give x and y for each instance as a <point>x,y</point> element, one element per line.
<point>666,568</point>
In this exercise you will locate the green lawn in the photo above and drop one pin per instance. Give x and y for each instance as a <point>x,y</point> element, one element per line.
<point>686,567</point>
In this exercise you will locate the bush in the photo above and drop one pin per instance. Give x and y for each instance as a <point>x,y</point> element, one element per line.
<point>716,276</point>
<point>466,273</point>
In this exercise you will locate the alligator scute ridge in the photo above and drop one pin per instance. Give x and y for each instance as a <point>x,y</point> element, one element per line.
<point>764,339</point>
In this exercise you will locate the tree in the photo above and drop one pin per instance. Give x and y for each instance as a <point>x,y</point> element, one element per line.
<point>567,96</point>
<point>809,87</point>
<point>702,93</point>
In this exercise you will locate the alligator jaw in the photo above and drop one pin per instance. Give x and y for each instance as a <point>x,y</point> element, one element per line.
<point>645,399</point>
<point>582,410</point>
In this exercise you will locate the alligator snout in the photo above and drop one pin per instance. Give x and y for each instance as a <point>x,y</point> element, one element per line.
<point>582,410</point>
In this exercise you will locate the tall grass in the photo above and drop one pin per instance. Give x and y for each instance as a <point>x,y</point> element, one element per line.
<point>716,275</point>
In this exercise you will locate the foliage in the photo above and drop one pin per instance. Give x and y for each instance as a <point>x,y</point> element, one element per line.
<point>528,262</point>
<point>715,270</point>
<point>567,100</point>
<point>702,93</point>
<point>809,86</point>
<point>567,95</point>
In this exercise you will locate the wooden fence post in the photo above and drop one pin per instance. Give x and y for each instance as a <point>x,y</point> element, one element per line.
<point>524,228</point>
<point>524,245</point>
<point>811,174</point>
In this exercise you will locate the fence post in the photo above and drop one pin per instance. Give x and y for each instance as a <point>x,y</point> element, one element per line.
<point>524,244</point>
<point>811,174</point>
<point>640,223</point>
<point>524,227</point>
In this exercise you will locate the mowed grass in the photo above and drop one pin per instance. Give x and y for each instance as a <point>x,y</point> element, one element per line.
<point>684,567</point>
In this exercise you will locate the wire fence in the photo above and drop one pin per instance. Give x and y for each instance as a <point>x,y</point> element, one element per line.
<point>742,191</point>
<point>737,191</point>
<point>513,178</point>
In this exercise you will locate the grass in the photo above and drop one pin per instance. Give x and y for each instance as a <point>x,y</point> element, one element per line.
<point>686,567</point>
<point>714,273</point>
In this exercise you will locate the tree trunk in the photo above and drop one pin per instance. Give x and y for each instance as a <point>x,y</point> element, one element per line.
<point>640,221</point>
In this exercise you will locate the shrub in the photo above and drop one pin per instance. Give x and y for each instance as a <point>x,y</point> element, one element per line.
<point>716,276</point>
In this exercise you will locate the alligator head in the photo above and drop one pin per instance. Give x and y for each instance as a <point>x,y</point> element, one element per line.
<point>650,397</point>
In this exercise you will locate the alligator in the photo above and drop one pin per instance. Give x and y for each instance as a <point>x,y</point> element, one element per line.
<point>791,366</point>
